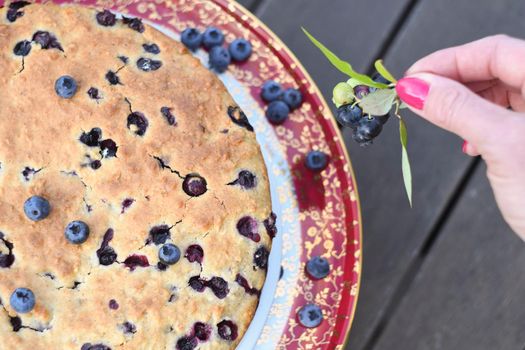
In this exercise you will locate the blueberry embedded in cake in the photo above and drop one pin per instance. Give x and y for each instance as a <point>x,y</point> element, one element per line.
<point>139,182</point>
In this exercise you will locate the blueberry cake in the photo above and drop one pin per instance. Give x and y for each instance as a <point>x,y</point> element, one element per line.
<point>134,200</point>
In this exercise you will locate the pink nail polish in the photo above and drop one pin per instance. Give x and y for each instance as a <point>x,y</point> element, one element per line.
<point>464,147</point>
<point>413,91</point>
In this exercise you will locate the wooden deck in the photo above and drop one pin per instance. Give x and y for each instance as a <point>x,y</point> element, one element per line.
<point>449,273</point>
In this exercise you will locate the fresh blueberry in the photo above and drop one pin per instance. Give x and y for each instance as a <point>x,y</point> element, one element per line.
<point>22,48</point>
<point>212,37</point>
<point>108,148</point>
<point>37,208</point>
<point>227,330</point>
<point>349,115</point>
<point>66,86</point>
<point>219,59</point>
<point>113,78</point>
<point>194,185</point>
<point>342,94</point>
<point>77,232</point>
<point>91,138</point>
<point>240,50</point>
<point>194,253</point>
<point>166,113</point>
<point>46,40</point>
<point>192,38</point>
<point>106,18</point>
<point>260,258</point>
<point>22,300</point>
<point>271,91</point>
<point>169,254</point>
<point>277,112</point>
<point>316,161</point>
<point>148,64</point>
<point>151,48</point>
<point>378,78</point>
<point>310,316</point>
<point>139,121</point>
<point>247,227</point>
<point>293,98</point>
<point>202,331</point>
<point>318,267</point>
<point>367,129</point>
<point>361,91</point>
<point>134,23</point>
<point>218,286</point>
<point>93,93</point>
<point>186,343</point>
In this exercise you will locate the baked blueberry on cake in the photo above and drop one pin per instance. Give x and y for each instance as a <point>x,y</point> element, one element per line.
<point>134,200</point>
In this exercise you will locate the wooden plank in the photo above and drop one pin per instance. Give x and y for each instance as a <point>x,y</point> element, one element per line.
<point>469,291</point>
<point>249,3</point>
<point>394,234</point>
<point>342,25</point>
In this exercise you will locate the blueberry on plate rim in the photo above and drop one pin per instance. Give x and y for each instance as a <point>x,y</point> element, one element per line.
<point>277,112</point>
<point>310,316</point>
<point>240,49</point>
<point>212,37</point>
<point>219,59</point>
<point>191,38</point>
<point>316,161</point>
<point>317,267</point>
<point>271,91</point>
<point>293,98</point>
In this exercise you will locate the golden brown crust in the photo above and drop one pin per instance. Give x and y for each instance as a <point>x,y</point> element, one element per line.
<point>40,130</point>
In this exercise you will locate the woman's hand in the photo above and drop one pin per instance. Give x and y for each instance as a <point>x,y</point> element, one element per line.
<point>477,91</point>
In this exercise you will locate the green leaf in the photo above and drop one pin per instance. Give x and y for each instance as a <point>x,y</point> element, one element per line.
<point>405,163</point>
<point>344,66</point>
<point>384,72</point>
<point>353,82</point>
<point>378,102</point>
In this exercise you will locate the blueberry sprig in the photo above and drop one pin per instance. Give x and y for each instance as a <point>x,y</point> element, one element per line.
<point>364,104</point>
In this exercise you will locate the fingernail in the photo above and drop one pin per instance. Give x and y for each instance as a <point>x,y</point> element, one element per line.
<point>413,91</point>
<point>464,147</point>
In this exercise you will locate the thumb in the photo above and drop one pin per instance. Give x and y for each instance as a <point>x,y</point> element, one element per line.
<point>452,106</point>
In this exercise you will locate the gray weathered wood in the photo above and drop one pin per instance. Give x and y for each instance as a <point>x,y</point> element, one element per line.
<point>469,291</point>
<point>394,234</point>
<point>349,27</point>
<point>249,3</point>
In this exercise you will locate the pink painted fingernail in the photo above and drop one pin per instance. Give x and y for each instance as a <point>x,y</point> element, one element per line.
<point>413,91</point>
<point>464,147</point>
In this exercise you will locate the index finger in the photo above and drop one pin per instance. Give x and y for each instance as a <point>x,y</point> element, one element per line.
<point>495,57</point>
